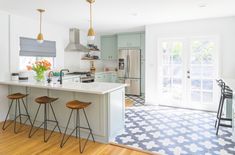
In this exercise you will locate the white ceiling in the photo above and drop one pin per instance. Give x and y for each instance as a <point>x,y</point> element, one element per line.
<point>119,15</point>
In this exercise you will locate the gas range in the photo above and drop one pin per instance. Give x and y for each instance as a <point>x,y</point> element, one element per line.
<point>80,73</point>
<point>85,77</point>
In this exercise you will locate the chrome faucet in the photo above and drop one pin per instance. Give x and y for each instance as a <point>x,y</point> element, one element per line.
<point>61,75</point>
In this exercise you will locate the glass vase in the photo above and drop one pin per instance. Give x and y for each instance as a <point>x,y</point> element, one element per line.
<point>40,76</point>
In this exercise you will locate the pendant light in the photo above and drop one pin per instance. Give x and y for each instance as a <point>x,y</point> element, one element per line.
<point>91,31</point>
<point>40,35</point>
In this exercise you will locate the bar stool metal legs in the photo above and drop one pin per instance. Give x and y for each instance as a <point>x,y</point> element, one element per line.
<point>226,93</point>
<point>45,122</point>
<point>17,97</point>
<point>221,118</point>
<point>77,129</point>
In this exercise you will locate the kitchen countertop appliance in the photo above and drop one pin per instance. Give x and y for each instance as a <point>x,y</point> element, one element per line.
<point>129,70</point>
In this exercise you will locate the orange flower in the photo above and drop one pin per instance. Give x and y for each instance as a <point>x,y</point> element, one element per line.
<point>29,68</point>
<point>42,65</point>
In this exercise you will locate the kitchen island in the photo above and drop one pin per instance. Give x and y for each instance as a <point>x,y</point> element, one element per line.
<point>106,114</point>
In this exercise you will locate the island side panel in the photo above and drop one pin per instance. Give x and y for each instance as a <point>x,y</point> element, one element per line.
<point>116,113</point>
<point>96,113</point>
<point>61,111</point>
<point>4,102</point>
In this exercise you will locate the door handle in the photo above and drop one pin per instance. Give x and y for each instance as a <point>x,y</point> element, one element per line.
<point>188,72</point>
<point>188,77</point>
<point>128,65</point>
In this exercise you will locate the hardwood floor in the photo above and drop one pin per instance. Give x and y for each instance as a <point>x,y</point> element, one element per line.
<point>20,144</point>
<point>128,103</point>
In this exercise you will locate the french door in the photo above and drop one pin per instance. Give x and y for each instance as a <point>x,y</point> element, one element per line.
<point>187,72</point>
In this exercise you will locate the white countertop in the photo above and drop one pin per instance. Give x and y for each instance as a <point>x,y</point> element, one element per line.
<point>90,88</point>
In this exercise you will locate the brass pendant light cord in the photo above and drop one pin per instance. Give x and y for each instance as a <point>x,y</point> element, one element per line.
<point>91,16</point>
<point>40,22</point>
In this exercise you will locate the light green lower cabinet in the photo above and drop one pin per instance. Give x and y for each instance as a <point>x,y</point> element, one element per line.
<point>99,78</point>
<point>106,77</point>
<point>114,78</point>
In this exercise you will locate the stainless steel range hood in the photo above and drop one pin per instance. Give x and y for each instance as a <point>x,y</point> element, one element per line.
<point>74,42</point>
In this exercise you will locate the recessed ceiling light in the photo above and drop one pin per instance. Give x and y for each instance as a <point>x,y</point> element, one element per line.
<point>202,5</point>
<point>134,14</point>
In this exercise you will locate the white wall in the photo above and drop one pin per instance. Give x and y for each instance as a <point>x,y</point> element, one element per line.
<point>224,28</point>
<point>4,62</point>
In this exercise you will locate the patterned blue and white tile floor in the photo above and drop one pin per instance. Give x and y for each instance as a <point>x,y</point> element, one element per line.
<point>174,131</point>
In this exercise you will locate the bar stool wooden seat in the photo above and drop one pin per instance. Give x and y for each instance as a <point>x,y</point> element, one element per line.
<point>17,97</point>
<point>77,105</point>
<point>47,102</point>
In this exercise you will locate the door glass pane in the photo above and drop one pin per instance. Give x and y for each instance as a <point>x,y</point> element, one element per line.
<point>208,71</point>
<point>196,96</point>
<point>166,70</point>
<point>202,51</point>
<point>196,84</point>
<point>196,59</point>
<point>176,52</point>
<point>207,84</point>
<point>196,71</point>
<point>177,71</point>
<point>166,53</point>
<point>177,83</point>
<point>207,97</point>
<point>167,82</point>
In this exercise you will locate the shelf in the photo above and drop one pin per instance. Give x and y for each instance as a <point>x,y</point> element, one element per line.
<point>92,50</point>
<point>90,59</point>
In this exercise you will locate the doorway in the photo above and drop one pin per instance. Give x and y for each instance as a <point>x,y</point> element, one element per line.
<point>187,69</point>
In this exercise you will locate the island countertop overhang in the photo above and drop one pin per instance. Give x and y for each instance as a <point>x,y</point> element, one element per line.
<point>98,88</point>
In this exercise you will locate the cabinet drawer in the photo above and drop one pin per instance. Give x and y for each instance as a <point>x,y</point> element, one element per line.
<point>99,78</point>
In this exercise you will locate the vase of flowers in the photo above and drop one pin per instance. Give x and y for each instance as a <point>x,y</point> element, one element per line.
<point>40,67</point>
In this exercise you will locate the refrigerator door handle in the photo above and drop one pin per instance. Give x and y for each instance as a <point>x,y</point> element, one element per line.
<point>126,69</point>
<point>128,65</point>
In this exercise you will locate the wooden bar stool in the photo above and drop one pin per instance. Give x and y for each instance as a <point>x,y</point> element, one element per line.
<point>77,105</point>
<point>45,100</point>
<point>17,97</point>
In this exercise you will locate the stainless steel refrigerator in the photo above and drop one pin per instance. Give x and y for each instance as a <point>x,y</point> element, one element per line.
<point>129,70</point>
